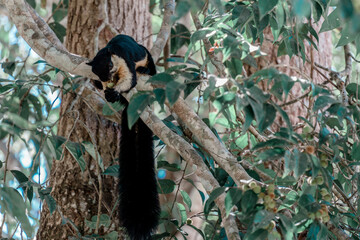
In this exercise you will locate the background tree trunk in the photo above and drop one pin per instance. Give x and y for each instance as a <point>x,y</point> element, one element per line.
<point>322,56</point>
<point>77,193</point>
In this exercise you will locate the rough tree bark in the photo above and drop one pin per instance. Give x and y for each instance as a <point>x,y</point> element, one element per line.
<point>77,193</point>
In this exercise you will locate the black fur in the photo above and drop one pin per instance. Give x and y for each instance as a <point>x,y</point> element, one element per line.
<point>139,202</point>
<point>126,48</point>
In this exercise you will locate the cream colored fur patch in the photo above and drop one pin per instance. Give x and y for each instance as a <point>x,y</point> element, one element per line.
<point>121,76</point>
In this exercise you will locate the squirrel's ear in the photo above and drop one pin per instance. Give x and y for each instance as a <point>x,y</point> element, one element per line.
<point>90,63</point>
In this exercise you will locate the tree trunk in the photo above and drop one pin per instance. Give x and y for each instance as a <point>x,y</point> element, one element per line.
<point>77,193</point>
<point>286,65</point>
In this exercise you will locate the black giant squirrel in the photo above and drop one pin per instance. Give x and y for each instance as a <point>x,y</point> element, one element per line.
<point>116,66</point>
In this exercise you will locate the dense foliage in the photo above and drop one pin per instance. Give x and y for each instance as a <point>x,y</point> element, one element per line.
<point>310,169</point>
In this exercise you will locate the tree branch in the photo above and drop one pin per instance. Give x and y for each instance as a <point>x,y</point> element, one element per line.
<point>165,30</point>
<point>45,44</point>
<point>210,142</point>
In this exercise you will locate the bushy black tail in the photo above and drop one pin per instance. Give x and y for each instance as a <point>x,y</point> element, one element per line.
<point>139,202</point>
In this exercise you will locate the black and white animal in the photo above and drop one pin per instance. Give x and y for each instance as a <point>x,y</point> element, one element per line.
<point>116,65</point>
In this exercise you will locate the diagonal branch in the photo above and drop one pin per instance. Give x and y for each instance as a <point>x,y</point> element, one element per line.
<point>210,142</point>
<point>165,30</point>
<point>45,44</point>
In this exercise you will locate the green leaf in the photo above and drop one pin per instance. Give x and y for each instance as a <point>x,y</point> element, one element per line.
<point>322,102</point>
<point>258,234</point>
<point>6,88</point>
<point>217,4</point>
<point>173,167</point>
<point>173,127</point>
<point>37,105</point>
<point>248,201</point>
<point>306,200</point>
<point>242,14</point>
<point>347,36</point>
<point>173,90</point>
<point>355,152</point>
<point>32,3</point>
<point>249,117</point>
<point>275,142</point>
<point>20,122</point>
<point>182,8</point>
<point>45,77</point>
<point>76,150</point>
<point>313,231</point>
<point>302,7</point>
<point>262,218</point>
<point>8,67</point>
<point>353,89</point>
<point>271,154</point>
<point>114,235</point>
<point>285,117</point>
<point>287,227</point>
<point>280,15</point>
<point>136,106</point>
<point>233,196</point>
<point>51,203</point>
<point>266,6</point>
<point>269,117</point>
<point>55,143</point>
<point>166,186</point>
<point>108,108</point>
<point>213,195</point>
<point>59,30</point>
<point>60,12</point>
<point>104,221</point>
<point>290,200</point>
<point>180,36</point>
<point>289,163</point>
<point>286,181</point>
<point>186,198</point>
<point>257,109</point>
<point>112,171</point>
<point>190,86</point>
<point>22,179</point>
<point>89,147</point>
<point>324,232</point>
<point>301,163</point>
<point>12,203</point>
<point>161,79</point>
<point>182,213</point>
<point>202,34</point>
<point>160,96</point>
<point>287,83</point>
<point>357,44</point>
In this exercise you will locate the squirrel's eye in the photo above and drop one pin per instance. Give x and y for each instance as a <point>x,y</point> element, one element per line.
<point>111,65</point>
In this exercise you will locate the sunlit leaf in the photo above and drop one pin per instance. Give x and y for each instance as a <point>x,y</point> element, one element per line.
<point>137,105</point>
<point>12,203</point>
<point>186,199</point>
<point>233,196</point>
<point>266,6</point>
